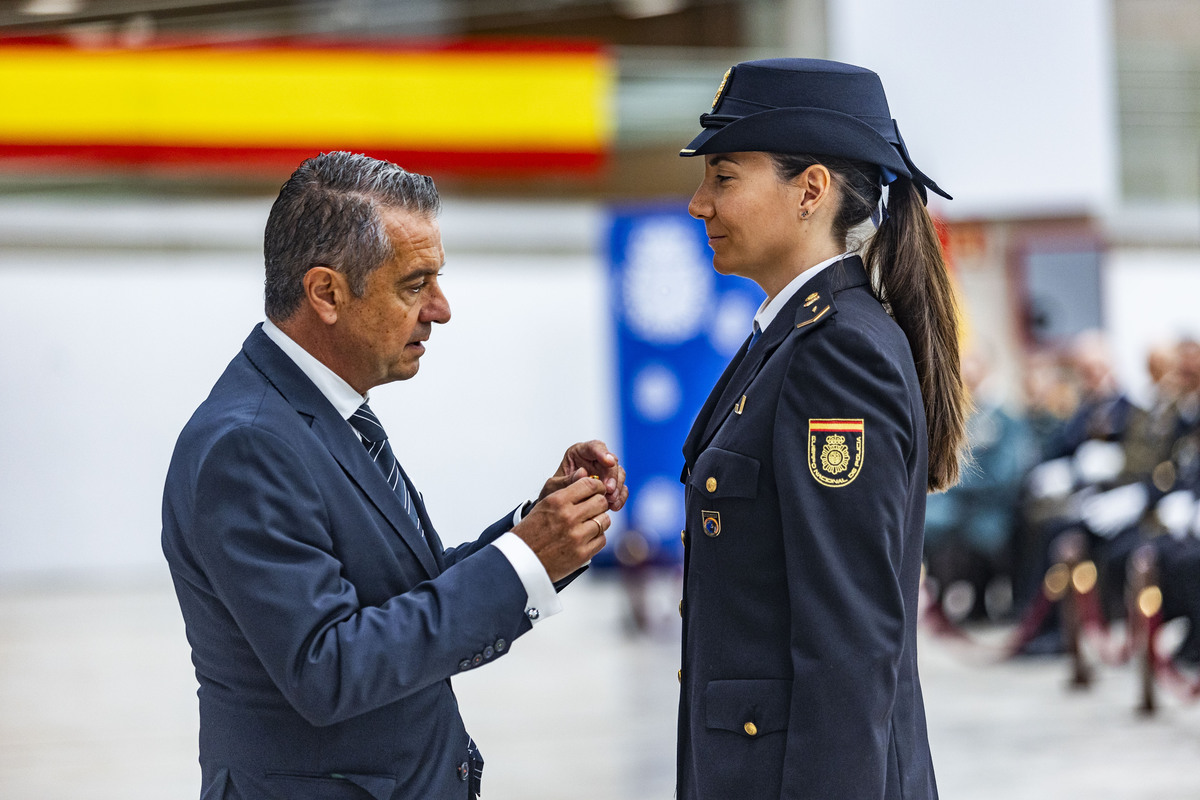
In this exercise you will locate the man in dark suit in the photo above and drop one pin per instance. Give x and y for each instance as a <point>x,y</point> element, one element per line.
<point>324,615</point>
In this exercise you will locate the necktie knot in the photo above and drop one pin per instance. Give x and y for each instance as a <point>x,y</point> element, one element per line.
<point>367,424</point>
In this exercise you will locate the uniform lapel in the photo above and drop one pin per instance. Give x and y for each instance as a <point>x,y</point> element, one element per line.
<point>691,445</point>
<point>798,313</point>
<point>338,437</point>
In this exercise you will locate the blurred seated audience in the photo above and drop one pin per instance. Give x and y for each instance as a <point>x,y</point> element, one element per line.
<point>968,529</point>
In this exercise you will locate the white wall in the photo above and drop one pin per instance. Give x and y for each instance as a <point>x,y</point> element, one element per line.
<point>117,326</point>
<point>1149,296</point>
<point>1009,106</point>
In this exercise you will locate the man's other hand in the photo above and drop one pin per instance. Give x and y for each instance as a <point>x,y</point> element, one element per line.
<point>591,459</point>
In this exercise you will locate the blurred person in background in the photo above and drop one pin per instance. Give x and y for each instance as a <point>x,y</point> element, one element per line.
<point>808,466</point>
<point>969,527</point>
<point>325,616</point>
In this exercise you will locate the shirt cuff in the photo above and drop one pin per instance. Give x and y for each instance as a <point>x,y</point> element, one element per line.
<point>541,599</point>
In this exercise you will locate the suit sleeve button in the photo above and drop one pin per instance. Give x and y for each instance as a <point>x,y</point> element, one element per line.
<point>478,659</point>
<point>464,664</point>
<point>500,645</point>
<point>488,652</point>
<point>751,729</point>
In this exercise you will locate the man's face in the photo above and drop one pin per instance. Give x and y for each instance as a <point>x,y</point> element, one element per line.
<point>383,331</point>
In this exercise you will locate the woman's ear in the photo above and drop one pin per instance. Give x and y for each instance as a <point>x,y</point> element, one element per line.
<point>814,185</point>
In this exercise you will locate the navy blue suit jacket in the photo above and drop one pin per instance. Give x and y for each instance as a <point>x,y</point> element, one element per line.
<point>805,477</point>
<point>324,629</point>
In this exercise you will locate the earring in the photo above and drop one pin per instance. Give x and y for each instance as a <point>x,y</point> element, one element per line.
<point>804,214</point>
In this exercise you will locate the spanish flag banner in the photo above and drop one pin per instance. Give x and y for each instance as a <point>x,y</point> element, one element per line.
<point>470,109</point>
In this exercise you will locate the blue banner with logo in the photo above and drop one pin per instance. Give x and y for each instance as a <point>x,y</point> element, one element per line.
<point>677,323</point>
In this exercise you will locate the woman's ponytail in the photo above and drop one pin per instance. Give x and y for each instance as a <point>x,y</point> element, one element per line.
<point>906,256</point>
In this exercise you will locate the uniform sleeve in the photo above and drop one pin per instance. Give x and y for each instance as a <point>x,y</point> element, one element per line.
<point>843,443</point>
<point>261,535</point>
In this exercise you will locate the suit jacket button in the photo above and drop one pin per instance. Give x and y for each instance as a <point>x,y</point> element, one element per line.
<point>500,645</point>
<point>751,729</point>
<point>711,484</point>
<point>464,771</point>
<point>464,664</point>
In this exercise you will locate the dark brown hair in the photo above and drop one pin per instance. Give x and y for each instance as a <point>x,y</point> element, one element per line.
<point>908,268</point>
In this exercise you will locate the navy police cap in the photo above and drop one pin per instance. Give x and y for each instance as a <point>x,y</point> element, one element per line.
<point>807,106</point>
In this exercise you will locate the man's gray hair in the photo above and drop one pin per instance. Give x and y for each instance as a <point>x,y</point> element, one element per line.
<point>327,214</point>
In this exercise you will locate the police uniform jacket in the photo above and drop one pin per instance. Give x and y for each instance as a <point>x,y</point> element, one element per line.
<point>806,474</point>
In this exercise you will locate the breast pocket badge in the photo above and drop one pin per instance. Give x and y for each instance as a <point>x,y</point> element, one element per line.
<point>835,450</point>
<point>710,521</point>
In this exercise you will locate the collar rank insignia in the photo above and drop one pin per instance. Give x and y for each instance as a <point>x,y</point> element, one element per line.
<point>835,450</point>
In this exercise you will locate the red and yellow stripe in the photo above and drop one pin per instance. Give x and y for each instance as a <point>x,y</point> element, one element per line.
<point>839,425</point>
<point>466,109</point>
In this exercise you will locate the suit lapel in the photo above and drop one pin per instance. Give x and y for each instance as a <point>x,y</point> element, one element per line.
<point>338,437</point>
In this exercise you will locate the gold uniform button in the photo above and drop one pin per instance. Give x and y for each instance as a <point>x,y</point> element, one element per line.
<point>711,484</point>
<point>680,676</point>
<point>681,608</point>
<point>683,537</point>
<point>751,729</point>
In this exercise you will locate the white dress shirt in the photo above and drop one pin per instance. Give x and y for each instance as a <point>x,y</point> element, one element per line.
<point>541,598</point>
<point>770,308</point>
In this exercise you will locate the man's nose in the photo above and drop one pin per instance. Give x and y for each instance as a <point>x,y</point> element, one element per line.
<point>436,307</point>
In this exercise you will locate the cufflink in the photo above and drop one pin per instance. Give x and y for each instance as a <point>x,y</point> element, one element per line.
<point>532,614</point>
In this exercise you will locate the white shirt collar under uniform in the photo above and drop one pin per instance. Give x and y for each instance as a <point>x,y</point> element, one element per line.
<point>341,394</point>
<point>770,308</point>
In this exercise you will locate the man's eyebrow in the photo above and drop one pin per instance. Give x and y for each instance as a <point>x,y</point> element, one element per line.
<point>423,272</point>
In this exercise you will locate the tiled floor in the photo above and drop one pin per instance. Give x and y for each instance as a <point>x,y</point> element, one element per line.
<point>97,703</point>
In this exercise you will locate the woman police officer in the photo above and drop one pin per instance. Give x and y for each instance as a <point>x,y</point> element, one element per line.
<point>807,468</point>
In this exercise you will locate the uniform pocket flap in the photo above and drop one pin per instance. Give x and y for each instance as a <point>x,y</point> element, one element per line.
<point>334,786</point>
<point>749,707</point>
<point>723,473</point>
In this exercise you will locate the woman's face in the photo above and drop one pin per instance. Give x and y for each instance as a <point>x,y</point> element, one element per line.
<point>751,215</point>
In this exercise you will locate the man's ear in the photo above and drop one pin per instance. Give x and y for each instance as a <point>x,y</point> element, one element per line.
<point>814,185</point>
<point>325,292</point>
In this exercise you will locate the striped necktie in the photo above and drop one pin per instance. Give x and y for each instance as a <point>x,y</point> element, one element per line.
<point>374,438</point>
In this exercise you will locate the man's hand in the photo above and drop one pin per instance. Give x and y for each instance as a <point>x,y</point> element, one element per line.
<point>566,527</point>
<point>591,459</point>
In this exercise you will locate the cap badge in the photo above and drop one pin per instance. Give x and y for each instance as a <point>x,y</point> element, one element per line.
<point>720,89</point>
<point>835,450</point>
